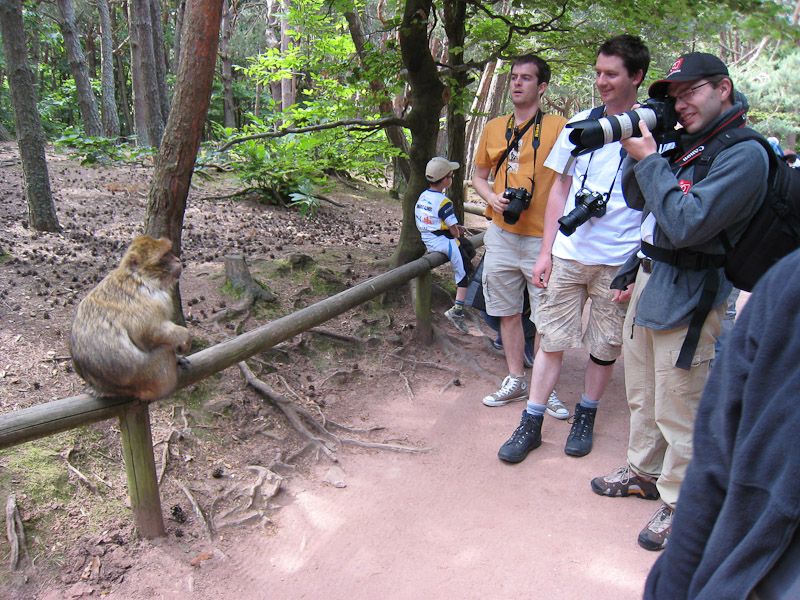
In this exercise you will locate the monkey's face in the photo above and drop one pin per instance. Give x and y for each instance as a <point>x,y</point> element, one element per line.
<point>152,260</point>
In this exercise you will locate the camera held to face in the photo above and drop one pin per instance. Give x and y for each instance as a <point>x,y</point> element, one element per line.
<point>591,134</point>
<point>588,204</point>
<point>519,199</point>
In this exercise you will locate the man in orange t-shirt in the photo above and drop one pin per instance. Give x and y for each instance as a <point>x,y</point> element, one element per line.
<point>512,151</point>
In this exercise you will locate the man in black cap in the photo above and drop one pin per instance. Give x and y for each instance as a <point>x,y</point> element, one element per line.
<point>680,288</point>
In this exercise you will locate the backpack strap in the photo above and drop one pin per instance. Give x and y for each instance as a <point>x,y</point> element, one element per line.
<point>725,140</point>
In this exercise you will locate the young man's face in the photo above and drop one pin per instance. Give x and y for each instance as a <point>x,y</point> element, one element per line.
<point>525,87</point>
<point>698,102</point>
<point>616,86</point>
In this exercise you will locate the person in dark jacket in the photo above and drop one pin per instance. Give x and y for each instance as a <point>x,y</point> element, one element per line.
<point>735,530</point>
<point>678,301</point>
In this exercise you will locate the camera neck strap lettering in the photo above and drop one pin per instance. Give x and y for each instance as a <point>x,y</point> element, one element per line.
<point>513,137</point>
<point>738,119</point>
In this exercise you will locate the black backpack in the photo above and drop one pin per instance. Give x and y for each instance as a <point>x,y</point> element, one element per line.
<point>774,230</point>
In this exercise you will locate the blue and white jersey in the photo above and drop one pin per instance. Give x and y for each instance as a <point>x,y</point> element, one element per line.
<point>434,212</point>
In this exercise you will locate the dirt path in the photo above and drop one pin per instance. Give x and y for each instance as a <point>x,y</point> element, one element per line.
<point>453,523</point>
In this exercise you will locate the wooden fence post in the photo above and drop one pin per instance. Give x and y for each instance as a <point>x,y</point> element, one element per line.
<point>140,467</point>
<point>422,307</point>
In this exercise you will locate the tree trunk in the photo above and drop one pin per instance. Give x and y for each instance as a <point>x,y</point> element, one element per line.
<point>109,103</point>
<point>80,73</point>
<point>147,103</point>
<point>455,12</point>
<point>30,136</point>
<point>287,85</point>
<point>176,44</point>
<point>160,58</point>
<point>228,20</point>
<point>394,134</point>
<point>427,100</point>
<point>176,157</point>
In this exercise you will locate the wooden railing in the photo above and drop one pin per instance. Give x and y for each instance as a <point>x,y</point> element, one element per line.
<point>53,417</point>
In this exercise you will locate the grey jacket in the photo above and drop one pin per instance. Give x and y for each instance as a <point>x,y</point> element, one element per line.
<point>725,199</point>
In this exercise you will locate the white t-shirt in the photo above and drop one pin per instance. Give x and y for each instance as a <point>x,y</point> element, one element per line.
<point>606,240</point>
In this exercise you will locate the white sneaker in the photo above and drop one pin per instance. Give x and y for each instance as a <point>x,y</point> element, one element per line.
<point>555,408</point>
<point>512,390</point>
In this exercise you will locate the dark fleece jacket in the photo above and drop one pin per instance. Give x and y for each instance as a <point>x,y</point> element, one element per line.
<point>739,505</point>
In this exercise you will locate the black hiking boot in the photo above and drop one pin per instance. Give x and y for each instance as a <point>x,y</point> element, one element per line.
<point>526,437</point>
<point>579,441</point>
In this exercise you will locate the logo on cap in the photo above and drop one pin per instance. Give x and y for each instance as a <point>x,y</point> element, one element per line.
<point>676,66</point>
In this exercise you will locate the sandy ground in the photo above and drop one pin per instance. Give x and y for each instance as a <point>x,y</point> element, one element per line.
<point>453,523</point>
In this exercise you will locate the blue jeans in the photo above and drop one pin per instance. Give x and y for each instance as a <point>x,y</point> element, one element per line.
<point>528,329</point>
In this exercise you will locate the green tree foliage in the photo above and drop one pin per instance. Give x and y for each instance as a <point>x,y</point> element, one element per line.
<point>772,87</point>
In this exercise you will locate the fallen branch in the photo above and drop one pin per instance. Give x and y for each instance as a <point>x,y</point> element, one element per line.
<point>329,200</point>
<point>16,534</point>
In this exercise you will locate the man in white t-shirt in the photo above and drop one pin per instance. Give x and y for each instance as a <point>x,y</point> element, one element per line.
<point>581,253</point>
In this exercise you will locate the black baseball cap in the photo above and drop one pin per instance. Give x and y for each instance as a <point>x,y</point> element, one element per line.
<point>689,67</point>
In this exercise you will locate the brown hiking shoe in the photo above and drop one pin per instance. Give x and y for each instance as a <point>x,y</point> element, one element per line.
<point>656,533</point>
<point>624,482</point>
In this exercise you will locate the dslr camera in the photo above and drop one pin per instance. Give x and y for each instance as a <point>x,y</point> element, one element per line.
<point>590,134</point>
<point>518,200</point>
<point>588,204</point>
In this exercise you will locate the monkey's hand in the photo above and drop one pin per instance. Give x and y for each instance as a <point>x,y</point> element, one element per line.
<point>184,341</point>
<point>183,362</point>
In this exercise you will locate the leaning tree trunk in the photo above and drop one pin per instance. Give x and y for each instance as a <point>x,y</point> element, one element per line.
<point>109,103</point>
<point>427,101</point>
<point>30,136</point>
<point>176,157</point>
<point>80,73</point>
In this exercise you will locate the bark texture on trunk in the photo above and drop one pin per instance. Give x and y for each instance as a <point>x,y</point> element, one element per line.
<point>80,72</point>
<point>30,135</point>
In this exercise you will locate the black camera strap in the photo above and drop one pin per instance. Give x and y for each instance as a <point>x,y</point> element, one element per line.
<point>613,181</point>
<point>596,113</point>
<point>513,137</point>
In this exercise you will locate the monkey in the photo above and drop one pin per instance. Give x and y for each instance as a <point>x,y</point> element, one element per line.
<point>123,342</point>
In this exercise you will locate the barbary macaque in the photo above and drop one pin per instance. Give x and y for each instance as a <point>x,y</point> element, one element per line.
<point>123,342</point>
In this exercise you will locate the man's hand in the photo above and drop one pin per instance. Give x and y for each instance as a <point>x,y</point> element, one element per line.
<point>620,296</point>
<point>498,203</point>
<point>542,270</point>
<point>639,148</point>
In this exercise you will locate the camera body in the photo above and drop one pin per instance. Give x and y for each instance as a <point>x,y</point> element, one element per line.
<point>588,204</point>
<point>590,134</point>
<point>519,199</point>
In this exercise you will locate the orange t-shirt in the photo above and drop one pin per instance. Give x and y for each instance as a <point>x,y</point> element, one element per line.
<point>518,171</point>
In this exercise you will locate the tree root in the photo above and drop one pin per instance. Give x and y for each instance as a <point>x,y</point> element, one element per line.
<point>72,469</point>
<point>198,511</point>
<point>315,434</point>
<point>336,335</point>
<point>16,534</point>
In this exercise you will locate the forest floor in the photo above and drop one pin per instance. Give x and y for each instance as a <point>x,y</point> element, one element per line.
<point>431,514</point>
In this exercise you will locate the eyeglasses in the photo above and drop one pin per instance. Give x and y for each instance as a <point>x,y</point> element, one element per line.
<point>687,95</point>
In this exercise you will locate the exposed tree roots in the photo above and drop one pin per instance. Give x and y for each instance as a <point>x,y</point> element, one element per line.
<point>315,433</point>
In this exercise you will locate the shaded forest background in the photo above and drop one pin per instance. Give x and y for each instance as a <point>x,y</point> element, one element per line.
<point>303,91</point>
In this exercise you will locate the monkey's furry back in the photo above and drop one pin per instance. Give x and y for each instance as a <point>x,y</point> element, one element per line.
<point>116,339</point>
